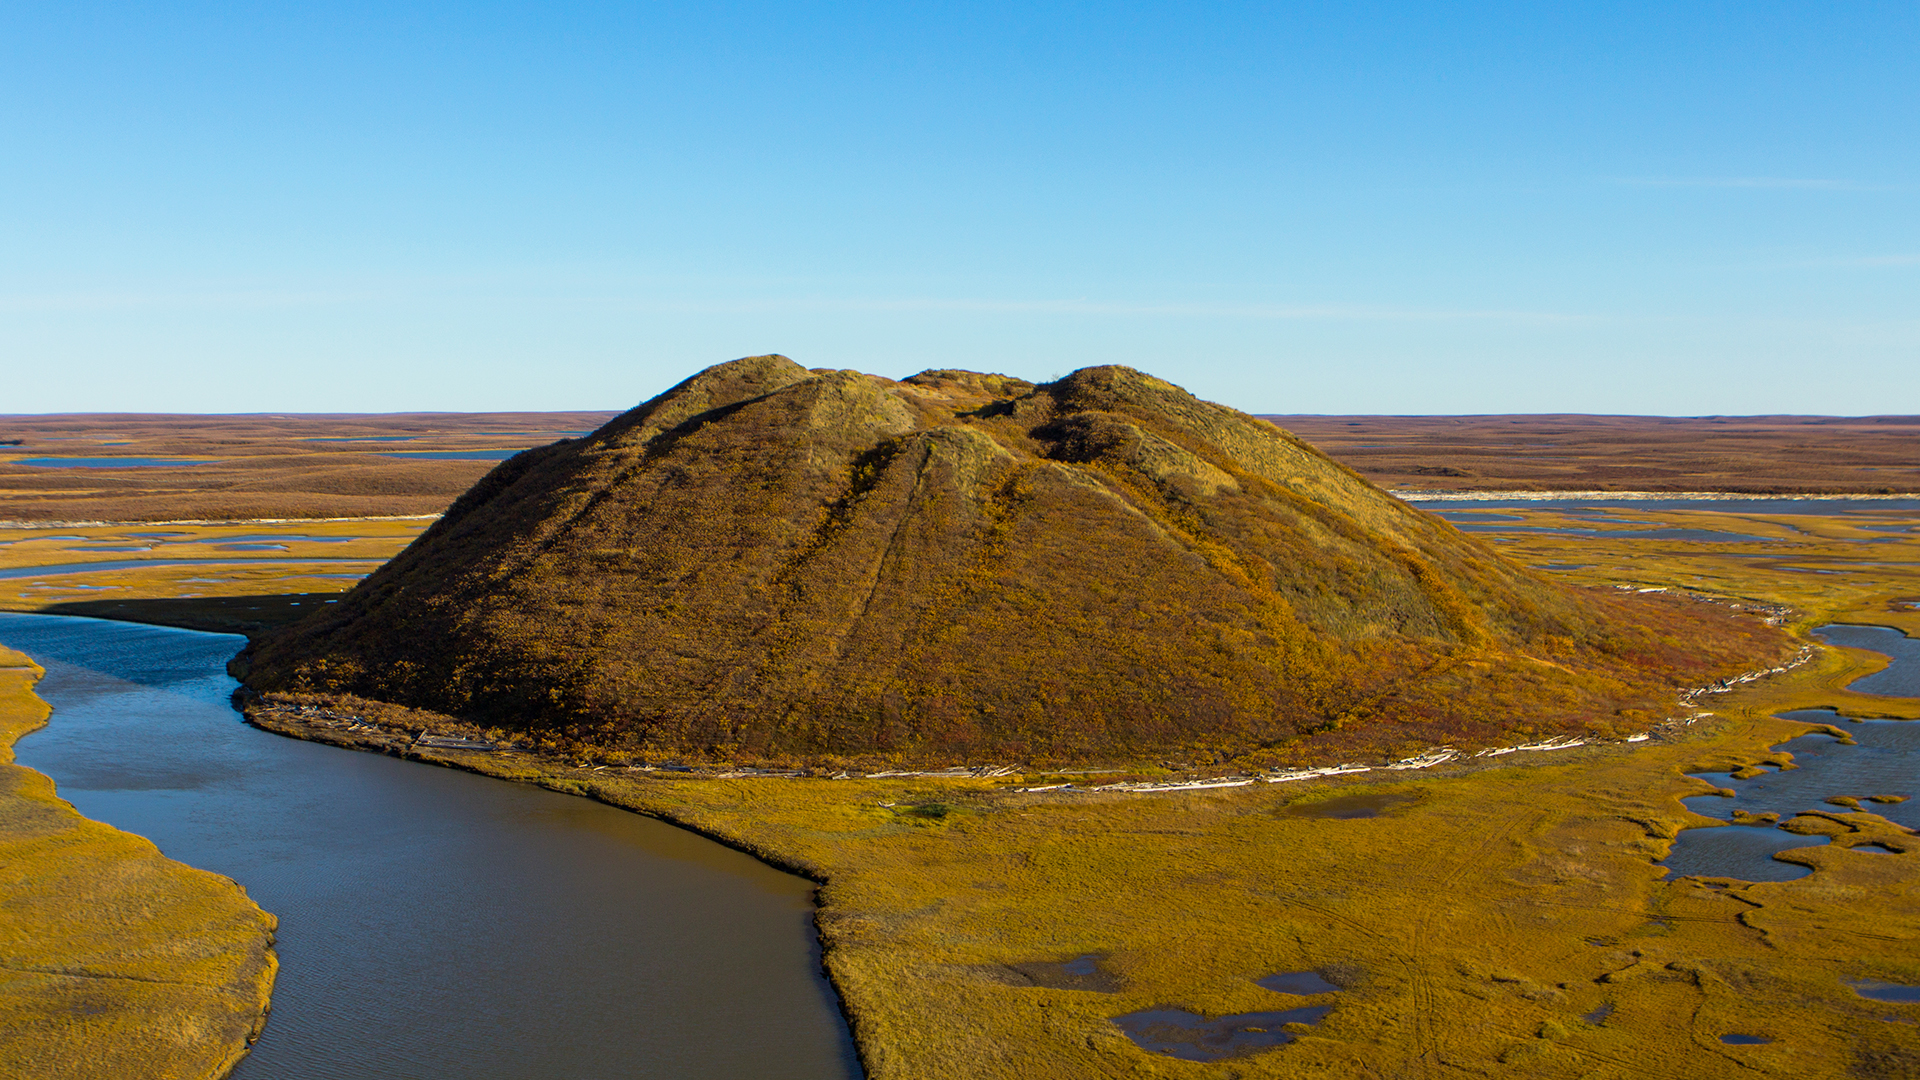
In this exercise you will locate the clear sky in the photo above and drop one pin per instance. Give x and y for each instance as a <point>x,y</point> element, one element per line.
<point>1676,208</point>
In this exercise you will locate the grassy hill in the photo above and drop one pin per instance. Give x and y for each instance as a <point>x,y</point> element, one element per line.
<point>767,562</point>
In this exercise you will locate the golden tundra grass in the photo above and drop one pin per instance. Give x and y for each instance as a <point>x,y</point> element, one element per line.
<point>1485,919</point>
<point>245,591</point>
<point>118,962</point>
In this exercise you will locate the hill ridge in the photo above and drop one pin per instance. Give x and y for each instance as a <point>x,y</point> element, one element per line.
<point>774,562</point>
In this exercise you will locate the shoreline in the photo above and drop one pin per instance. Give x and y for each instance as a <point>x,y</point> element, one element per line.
<point>876,976</point>
<point>110,943</point>
<point>1403,494</point>
<point>912,1012</point>
<point>62,524</point>
<point>321,723</point>
<point>1465,495</point>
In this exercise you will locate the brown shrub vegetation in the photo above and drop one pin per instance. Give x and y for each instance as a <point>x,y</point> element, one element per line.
<point>770,563</point>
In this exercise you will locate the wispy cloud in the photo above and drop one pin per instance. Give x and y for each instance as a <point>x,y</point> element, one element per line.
<point>718,301</point>
<point>1182,309</point>
<point>1848,262</point>
<point>1879,260</point>
<point>178,301</point>
<point>1751,182</point>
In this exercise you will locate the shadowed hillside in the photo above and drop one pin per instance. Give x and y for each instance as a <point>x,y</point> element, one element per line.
<point>770,562</point>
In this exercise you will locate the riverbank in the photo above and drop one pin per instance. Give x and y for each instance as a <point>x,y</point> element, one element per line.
<point>1490,915</point>
<point>118,960</point>
<point>1484,918</point>
<point>1512,920</point>
<point>435,925</point>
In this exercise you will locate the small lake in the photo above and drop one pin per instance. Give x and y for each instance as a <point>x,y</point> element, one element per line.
<point>436,924</point>
<point>105,462</point>
<point>1900,678</point>
<point>255,538</point>
<point>1470,517</point>
<point>1885,761</point>
<point>130,564</point>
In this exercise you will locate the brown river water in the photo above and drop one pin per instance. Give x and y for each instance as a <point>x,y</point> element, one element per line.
<point>436,924</point>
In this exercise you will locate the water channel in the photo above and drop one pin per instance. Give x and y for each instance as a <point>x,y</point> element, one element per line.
<point>436,924</point>
<point>1884,759</point>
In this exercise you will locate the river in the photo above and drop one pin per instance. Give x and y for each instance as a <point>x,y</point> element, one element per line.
<point>436,924</point>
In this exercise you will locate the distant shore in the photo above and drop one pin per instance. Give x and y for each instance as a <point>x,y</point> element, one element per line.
<point>216,522</point>
<point>1464,495</point>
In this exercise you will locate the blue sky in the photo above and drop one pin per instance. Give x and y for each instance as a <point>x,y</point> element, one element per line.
<point>1398,208</point>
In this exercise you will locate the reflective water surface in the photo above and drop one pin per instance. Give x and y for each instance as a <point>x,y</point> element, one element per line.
<point>109,565</point>
<point>1900,678</point>
<point>1884,760</point>
<point>105,462</point>
<point>436,924</point>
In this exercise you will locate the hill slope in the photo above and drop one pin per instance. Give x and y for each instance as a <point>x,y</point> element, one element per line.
<point>766,561</point>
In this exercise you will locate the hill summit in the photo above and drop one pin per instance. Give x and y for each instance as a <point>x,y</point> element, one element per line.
<point>770,562</point>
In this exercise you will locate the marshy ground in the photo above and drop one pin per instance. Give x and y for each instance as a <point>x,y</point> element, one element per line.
<point>1504,917</point>
<point>1508,918</point>
<point>137,467</point>
<point>1778,454</point>
<point>237,577</point>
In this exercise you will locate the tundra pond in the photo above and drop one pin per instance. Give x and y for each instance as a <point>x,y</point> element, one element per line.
<point>1878,763</point>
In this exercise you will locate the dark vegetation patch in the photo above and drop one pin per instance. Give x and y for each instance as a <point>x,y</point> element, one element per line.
<point>1887,1063</point>
<point>215,614</point>
<point>1192,1037</point>
<point>1080,973</point>
<point>1364,804</point>
<point>1304,983</point>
